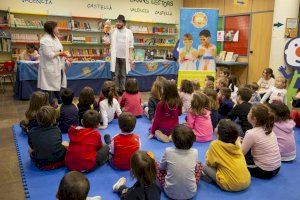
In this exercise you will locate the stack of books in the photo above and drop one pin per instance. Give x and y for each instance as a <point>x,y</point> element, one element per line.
<point>77,25</point>
<point>28,38</point>
<point>65,24</point>
<point>85,39</point>
<point>5,45</point>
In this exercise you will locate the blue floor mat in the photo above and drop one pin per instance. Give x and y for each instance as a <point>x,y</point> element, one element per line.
<point>43,184</point>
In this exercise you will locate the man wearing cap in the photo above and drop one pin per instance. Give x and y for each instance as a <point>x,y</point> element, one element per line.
<point>121,52</point>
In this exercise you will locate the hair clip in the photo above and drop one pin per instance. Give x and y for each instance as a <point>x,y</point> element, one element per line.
<point>150,154</point>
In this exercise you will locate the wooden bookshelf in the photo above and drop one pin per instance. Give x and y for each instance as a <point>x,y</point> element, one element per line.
<point>93,27</point>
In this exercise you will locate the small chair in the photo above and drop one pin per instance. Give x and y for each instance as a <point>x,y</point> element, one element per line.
<point>7,70</point>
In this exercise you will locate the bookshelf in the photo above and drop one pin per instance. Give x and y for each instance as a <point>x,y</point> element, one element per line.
<point>82,36</point>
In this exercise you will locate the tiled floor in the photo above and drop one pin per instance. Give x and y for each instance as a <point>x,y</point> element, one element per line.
<point>11,112</point>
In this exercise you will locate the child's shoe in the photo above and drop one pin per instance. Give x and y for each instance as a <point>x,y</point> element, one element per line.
<point>119,183</point>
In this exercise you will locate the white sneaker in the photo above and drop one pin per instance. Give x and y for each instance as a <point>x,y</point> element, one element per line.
<point>119,183</point>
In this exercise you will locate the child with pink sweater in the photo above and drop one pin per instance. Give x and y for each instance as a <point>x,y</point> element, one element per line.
<point>131,100</point>
<point>283,129</point>
<point>199,119</point>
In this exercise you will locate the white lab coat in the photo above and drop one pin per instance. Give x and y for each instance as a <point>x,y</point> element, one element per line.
<point>51,66</point>
<point>129,44</point>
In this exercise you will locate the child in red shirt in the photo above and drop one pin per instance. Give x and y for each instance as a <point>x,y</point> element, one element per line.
<point>124,144</point>
<point>86,150</point>
<point>131,100</point>
<point>167,113</point>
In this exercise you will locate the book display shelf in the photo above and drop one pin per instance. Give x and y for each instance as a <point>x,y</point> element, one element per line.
<point>82,36</point>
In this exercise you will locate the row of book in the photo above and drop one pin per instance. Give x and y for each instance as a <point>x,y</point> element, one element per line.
<point>143,54</point>
<point>5,45</point>
<point>21,37</point>
<point>85,39</point>
<point>3,33</point>
<point>157,30</point>
<point>3,19</point>
<point>153,41</point>
<point>227,56</point>
<point>85,52</point>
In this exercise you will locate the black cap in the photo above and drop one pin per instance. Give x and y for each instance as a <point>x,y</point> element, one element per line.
<point>121,18</point>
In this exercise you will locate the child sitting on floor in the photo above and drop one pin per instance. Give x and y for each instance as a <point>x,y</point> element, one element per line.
<point>241,109</point>
<point>226,103</point>
<point>260,145</point>
<point>86,102</point>
<point>283,129</point>
<point>144,170</point>
<point>225,162</point>
<point>74,186</point>
<point>266,81</point>
<point>209,82</point>
<point>155,96</point>
<point>180,169</point>
<point>167,113</point>
<point>37,100</point>
<point>109,106</point>
<point>131,100</point>
<point>198,118</point>
<point>213,105</point>
<point>86,150</point>
<point>233,86</point>
<point>68,112</point>
<point>223,72</point>
<point>255,99</point>
<point>46,148</point>
<point>124,144</point>
<point>112,85</point>
<point>276,93</point>
<point>196,85</point>
<point>221,83</point>
<point>186,93</point>
<point>295,113</point>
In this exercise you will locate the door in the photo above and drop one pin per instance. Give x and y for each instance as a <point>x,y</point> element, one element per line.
<point>260,44</point>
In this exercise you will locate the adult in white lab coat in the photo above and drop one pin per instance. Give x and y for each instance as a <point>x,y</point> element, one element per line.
<point>51,75</point>
<point>121,52</point>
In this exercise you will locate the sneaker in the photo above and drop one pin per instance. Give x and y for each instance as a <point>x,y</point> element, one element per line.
<point>107,139</point>
<point>119,183</point>
<point>161,137</point>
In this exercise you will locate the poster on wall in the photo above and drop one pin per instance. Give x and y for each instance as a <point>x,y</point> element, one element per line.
<point>291,27</point>
<point>198,40</point>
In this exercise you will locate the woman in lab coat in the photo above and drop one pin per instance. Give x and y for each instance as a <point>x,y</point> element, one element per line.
<point>51,74</point>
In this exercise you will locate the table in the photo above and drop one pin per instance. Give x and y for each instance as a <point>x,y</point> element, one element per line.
<point>93,74</point>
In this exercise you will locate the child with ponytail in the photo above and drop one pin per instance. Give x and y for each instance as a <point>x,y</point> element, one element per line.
<point>264,159</point>
<point>109,106</point>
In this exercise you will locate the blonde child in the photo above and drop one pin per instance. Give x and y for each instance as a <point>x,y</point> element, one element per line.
<point>223,73</point>
<point>260,145</point>
<point>143,168</point>
<point>155,96</point>
<point>187,54</point>
<point>109,106</point>
<point>283,129</point>
<point>131,100</point>
<point>167,112</point>
<point>266,81</point>
<point>276,93</point>
<point>221,83</point>
<point>213,105</point>
<point>180,169</point>
<point>198,118</point>
<point>186,93</point>
<point>37,100</point>
<point>86,102</point>
<point>225,162</point>
<point>209,82</point>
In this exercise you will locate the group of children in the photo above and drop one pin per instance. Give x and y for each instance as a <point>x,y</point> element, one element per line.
<point>252,138</point>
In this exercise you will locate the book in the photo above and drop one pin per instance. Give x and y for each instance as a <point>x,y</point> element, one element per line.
<point>222,55</point>
<point>139,54</point>
<point>229,56</point>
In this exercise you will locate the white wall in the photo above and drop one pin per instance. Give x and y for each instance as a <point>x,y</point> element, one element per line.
<point>283,9</point>
<point>166,11</point>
